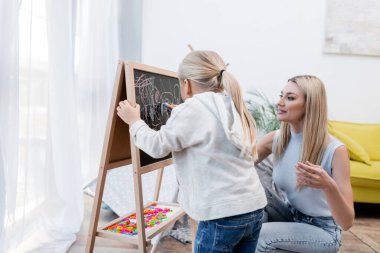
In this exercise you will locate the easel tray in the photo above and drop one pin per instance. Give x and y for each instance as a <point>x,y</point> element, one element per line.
<point>157,217</point>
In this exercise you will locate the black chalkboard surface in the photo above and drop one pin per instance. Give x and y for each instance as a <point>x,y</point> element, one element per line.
<point>152,88</point>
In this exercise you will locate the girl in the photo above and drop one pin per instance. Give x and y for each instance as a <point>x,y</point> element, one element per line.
<point>312,168</point>
<point>212,139</point>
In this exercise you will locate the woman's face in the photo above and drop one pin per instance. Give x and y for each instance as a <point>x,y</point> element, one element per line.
<point>291,106</point>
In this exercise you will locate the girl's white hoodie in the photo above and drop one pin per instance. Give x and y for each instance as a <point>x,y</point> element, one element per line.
<point>205,137</point>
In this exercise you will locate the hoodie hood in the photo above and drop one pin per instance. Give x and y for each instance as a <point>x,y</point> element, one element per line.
<point>223,107</point>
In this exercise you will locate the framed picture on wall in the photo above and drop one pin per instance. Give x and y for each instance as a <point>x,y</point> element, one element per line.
<point>352,27</point>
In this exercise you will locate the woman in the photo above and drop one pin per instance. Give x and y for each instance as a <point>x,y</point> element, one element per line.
<point>312,170</point>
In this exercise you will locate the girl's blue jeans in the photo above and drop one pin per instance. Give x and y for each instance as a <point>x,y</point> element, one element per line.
<point>230,234</point>
<point>289,230</point>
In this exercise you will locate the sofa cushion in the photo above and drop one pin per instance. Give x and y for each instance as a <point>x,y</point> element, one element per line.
<point>357,152</point>
<point>365,175</point>
<point>367,135</point>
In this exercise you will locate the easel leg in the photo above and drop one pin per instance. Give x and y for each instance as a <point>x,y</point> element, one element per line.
<point>139,210</point>
<point>158,184</point>
<point>160,172</point>
<point>194,227</point>
<point>96,210</point>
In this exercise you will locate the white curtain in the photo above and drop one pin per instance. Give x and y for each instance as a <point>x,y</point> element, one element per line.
<point>107,31</point>
<point>58,93</point>
<point>49,182</point>
<point>8,115</point>
<point>97,53</point>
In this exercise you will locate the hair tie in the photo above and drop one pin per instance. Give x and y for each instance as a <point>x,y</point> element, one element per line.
<point>221,72</point>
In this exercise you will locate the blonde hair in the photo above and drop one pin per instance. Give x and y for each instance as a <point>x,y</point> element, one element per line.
<point>315,134</point>
<point>208,70</point>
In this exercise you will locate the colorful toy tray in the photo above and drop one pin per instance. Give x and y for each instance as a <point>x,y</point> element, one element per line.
<point>157,216</point>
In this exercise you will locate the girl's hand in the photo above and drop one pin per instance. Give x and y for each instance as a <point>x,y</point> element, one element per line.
<point>128,113</point>
<point>311,175</point>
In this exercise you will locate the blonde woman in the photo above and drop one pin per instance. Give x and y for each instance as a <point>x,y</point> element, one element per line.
<point>312,170</point>
<point>212,139</point>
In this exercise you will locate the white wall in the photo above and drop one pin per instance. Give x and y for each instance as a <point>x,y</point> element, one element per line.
<point>265,42</point>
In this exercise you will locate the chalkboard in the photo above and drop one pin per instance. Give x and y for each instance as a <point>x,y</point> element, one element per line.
<point>151,90</point>
<point>149,87</point>
<point>152,87</point>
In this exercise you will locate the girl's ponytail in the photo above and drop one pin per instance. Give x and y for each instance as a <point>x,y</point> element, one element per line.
<point>230,84</point>
<point>208,70</point>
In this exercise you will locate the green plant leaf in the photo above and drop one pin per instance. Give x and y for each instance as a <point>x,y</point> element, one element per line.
<point>263,111</point>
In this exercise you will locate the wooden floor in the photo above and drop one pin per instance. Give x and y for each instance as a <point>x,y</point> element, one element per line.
<point>363,237</point>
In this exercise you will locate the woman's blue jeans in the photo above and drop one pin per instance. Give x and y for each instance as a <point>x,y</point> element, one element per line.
<point>231,234</point>
<point>289,230</point>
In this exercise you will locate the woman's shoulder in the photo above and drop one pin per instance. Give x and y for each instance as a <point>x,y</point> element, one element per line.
<point>275,135</point>
<point>268,139</point>
<point>335,150</point>
<point>271,135</point>
<point>333,143</point>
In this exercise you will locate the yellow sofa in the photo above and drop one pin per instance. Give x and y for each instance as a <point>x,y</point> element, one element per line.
<point>363,144</point>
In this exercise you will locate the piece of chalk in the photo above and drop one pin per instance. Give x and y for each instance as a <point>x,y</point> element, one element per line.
<point>168,106</point>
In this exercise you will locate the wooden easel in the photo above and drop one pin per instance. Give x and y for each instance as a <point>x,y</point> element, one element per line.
<point>119,150</point>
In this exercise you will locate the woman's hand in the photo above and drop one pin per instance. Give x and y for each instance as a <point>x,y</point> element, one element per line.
<point>128,113</point>
<point>337,189</point>
<point>311,175</point>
